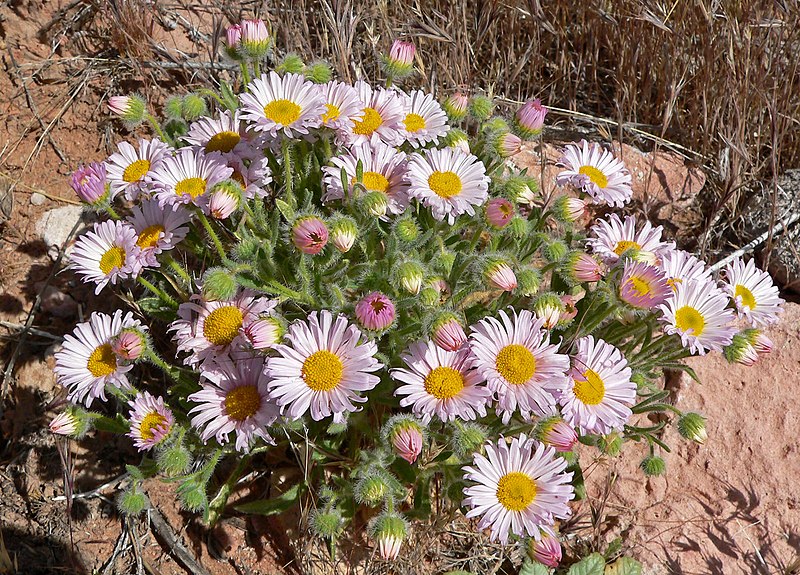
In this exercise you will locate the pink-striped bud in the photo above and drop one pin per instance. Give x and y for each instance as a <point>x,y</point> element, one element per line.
<point>64,424</point>
<point>90,184</point>
<point>375,311</point>
<point>556,432</point>
<point>448,333</point>
<point>310,235</point>
<point>407,439</point>
<point>530,119</point>
<point>499,212</point>
<point>129,345</point>
<point>547,550</point>
<point>264,332</point>
<point>501,276</point>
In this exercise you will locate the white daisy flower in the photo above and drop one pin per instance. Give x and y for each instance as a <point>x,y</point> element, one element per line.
<point>755,296</point>
<point>384,170</point>
<point>442,383</point>
<point>521,487</point>
<point>424,120</point>
<point>234,399</point>
<point>383,116</point>
<point>86,362</point>
<point>211,330</point>
<point>342,106</point>
<point>680,266</point>
<point>323,370</point>
<point>150,420</point>
<point>225,134</point>
<point>597,172</point>
<point>449,182</point>
<point>158,229</point>
<point>106,254</point>
<point>288,104</point>
<point>519,364</point>
<point>599,392</point>
<point>188,177</point>
<point>129,171</point>
<point>613,238</point>
<point>698,313</point>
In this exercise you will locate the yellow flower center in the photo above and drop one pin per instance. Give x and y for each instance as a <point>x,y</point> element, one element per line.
<point>596,176</point>
<point>322,370</point>
<point>331,113</point>
<point>113,258</point>
<point>222,325</point>
<point>103,361</point>
<point>284,112</point>
<point>148,238</point>
<point>625,245</point>
<point>242,402</point>
<point>516,364</point>
<point>414,123</point>
<point>688,318</point>
<point>591,390</point>
<point>444,382</point>
<point>747,296</point>
<point>640,285</point>
<point>374,182</point>
<point>150,422</point>
<point>135,171</point>
<point>445,184</point>
<point>192,186</point>
<point>371,122</point>
<point>223,142</point>
<point>515,491</point>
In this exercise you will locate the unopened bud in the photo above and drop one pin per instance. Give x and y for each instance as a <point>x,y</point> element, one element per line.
<point>529,280</point>
<point>407,230</point>
<point>264,333</point>
<point>407,439</point>
<point>448,332</point>
<point>130,109</point>
<point>327,524</point>
<point>692,426</point>
<point>193,107</point>
<point>219,284</point>
<point>481,108</point>
<point>468,438</point>
<point>255,39</point>
<point>130,344</point>
<point>291,64</point>
<point>499,212</point>
<point>389,530</point>
<point>456,107</point>
<point>653,465</point>
<point>547,550</point>
<point>507,145</point>
<point>580,267</point>
<point>319,72</point>
<point>400,61</point>
<point>132,502</point>
<point>309,235</point>
<point>376,203</point>
<point>500,275</point>
<point>556,432</point>
<point>90,184</point>
<point>529,119</point>
<point>64,423</point>
<point>555,250</point>
<point>371,490</point>
<point>343,234</point>
<point>458,139</point>
<point>549,307</point>
<point>410,275</point>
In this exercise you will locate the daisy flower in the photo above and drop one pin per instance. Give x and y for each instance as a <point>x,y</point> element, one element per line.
<point>697,312</point>
<point>643,286</point>
<point>755,296</point>
<point>424,120</point>
<point>600,392</point>
<point>441,383</point>
<point>150,420</point>
<point>251,170</point>
<point>86,362</point>
<point>225,134</point>
<point>288,104</point>
<point>384,170</point>
<point>449,182</point>
<point>188,176</point>
<point>342,106</point>
<point>157,229</point>
<point>106,254</point>
<point>383,116</point>
<point>130,170</point>
<point>597,172</point>
<point>521,486</point>
<point>519,364</point>
<point>211,330</point>
<point>680,266</point>
<point>323,369</point>
<point>613,238</point>
<point>234,398</point>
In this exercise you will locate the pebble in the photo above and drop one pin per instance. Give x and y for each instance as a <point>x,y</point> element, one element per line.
<point>38,199</point>
<point>55,226</point>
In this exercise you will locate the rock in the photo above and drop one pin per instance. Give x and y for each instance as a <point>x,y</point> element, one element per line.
<point>56,302</point>
<point>55,225</point>
<point>38,199</point>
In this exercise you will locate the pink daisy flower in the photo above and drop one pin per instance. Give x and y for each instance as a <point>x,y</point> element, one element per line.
<point>382,116</point>
<point>612,238</point>
<point>225,134</point>
<point>424,120</point>
<point>130,170</point>
<point>158,229</point>
<point>150,420</point>
<point>755,296</point>
<point>290,105</point>
<point>188,177</point>
<point>643,286</point>
<point>680,266</point>
<point>310,235</point>
<point>698,313</point>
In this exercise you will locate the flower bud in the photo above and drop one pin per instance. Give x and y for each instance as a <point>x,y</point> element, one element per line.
<point>570,309</point>
<point>410,275</point>
<point>130,109</point>
<point>529,119</point>
<point>327,524</point>
<point>130,344</point>
<point>255,39</point>
<point>610,444</point>
<point>233,40</point>
<point>521,190</point>
<point>375,311</point>
<point>173,108</point>
<point>319,72</point>
<point>481,108</point>
<point>219,284</point>
<point>507,145</point>
<point>568,210</point>
<point>458,139</point>
<point>309,235</point>
<point>371,489</point>
<point>448,332</point>
<point>556,432</point>
<point>225,199</point>
<point>407,439</point>
<point>499,212</point>
<point>519,227</point>
<point>291,64</point>
<point>547,550</point>
<point>376,203</point>
<point>430,297</point>
<point>549,307</point>
<point>653,465</point>
<point>500,275</point>
<point>264,332</point>
<point>193,107</point>
<point>456,107</point>
<point>468,438</point>
<point>746,346</point>
<point>389,530</point>
<point>580,267</point>
<point>554,250</point>
<point>90,184</point>
<point>407,230</point>
<point>400,61</point>
<point>495,127</point>
<point>343,234</point>
<point>529,280</point>
<point>64,423</point>
<point>692,426</point>
<point>174,460</point>
<point>131,502</point>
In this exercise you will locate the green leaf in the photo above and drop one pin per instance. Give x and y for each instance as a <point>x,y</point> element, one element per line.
<point>533,568</point>
<point>273,506</point>
<point>154,307</point>
<point>117,424</point>
<point>230,99</point>
<point>624,566</point>
<point>593,564</point>
<point>285,209</point>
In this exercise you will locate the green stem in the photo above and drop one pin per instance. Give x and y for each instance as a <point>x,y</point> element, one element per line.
<point>256,68</point>
<point>212,94</point>
<point>245,74</point>
<point>157,127</point>
<point>214,237</point>
<point>153,357</point>
<point>217,504</point>
<point>287,172</point>
<point>112,212</point>
<point>178,269</point>
<point>161,294</point>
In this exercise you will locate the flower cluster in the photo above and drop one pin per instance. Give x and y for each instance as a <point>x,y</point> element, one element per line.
<point>331,260</point>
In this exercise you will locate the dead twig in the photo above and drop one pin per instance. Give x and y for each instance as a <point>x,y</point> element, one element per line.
<point>173,544</point>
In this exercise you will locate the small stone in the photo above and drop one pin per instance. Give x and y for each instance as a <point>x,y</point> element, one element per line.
<point>38,199</point>
<point>55,225</point>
